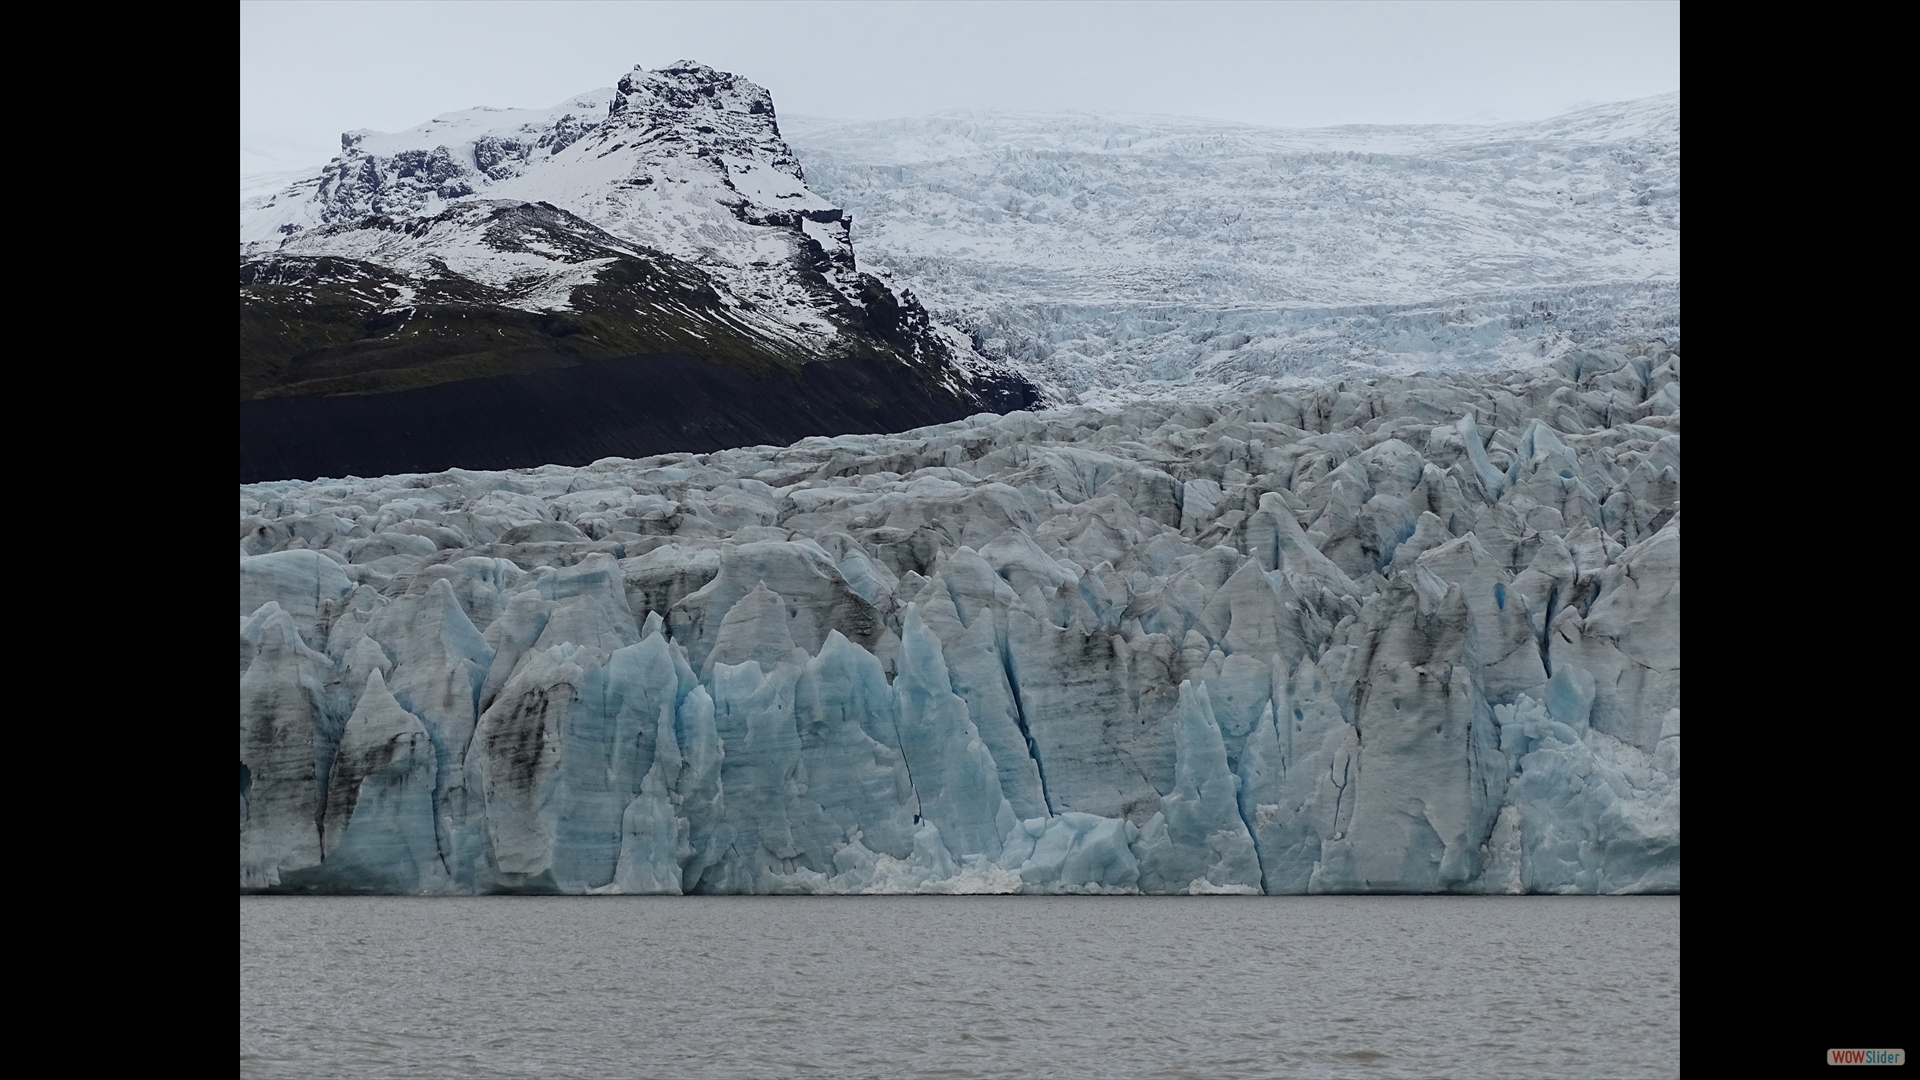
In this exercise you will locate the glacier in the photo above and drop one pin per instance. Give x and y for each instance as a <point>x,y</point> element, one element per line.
<point>1108,255</point>
<point>1410,633</point>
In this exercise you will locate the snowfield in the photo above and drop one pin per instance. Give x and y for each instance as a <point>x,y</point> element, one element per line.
<point>1102,254</point>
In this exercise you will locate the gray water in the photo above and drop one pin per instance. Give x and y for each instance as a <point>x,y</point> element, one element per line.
<point>960,986</point>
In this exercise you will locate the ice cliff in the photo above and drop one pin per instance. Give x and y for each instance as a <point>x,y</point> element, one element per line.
<point>1414,635</point>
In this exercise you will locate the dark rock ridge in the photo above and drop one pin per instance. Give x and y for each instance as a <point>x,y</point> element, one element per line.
<point>633,406</point>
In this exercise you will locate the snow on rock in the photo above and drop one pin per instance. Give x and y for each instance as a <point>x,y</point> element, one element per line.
<point>1415,634</point>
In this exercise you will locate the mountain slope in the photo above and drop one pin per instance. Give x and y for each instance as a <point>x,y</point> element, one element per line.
<point>664,218</point>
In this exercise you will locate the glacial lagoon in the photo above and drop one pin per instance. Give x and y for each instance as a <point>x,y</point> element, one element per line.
<point>960,987</point>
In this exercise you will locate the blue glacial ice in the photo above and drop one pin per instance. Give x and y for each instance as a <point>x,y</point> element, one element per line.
<point>1416,635</point>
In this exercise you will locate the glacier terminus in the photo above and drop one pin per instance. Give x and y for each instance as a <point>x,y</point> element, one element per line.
<point>1412,634</point>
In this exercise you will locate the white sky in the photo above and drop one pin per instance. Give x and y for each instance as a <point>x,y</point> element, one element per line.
<point>309,71</point>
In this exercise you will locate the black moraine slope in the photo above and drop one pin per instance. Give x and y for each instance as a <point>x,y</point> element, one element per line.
<point>630,407</point>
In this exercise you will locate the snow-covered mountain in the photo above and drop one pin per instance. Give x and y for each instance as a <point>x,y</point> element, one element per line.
<point>665,215</point>
<point>1098,253</point>
<point>685,161</point>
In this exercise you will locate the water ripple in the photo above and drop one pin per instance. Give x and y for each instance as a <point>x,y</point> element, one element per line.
<point>952,987</point>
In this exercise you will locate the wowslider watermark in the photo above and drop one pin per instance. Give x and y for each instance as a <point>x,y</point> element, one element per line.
<point>1866,1057</point>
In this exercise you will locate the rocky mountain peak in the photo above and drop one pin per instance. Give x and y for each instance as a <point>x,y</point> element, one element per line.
<point>686,86</point>
<point>652,160</point>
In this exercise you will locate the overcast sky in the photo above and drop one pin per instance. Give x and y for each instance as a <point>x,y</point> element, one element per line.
<point>309,71</point>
